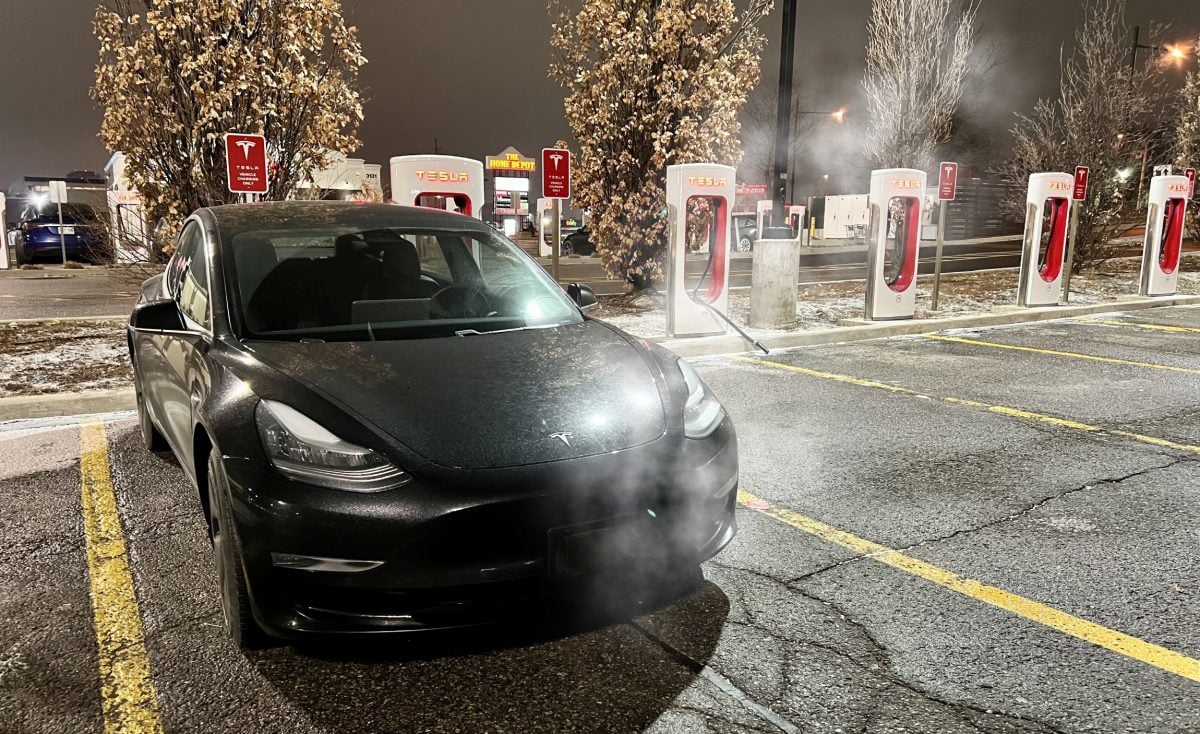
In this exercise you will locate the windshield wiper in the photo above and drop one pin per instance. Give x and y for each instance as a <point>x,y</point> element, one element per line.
<point>476,332</point>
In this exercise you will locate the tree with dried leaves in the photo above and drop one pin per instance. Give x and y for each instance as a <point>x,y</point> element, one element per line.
<point>917,58</point>
<point>650,83</point>
<point>175,75</point>
<point>1107,117</point>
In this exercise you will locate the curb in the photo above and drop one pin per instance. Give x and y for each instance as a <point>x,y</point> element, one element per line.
<point>718,345</point>
<point>66,319</point>
<point>71,403</point>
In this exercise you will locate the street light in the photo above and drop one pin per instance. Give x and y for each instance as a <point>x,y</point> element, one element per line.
<point>1175,53</point>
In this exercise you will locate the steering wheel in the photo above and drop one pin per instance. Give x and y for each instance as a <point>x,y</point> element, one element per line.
<point>459,302</point>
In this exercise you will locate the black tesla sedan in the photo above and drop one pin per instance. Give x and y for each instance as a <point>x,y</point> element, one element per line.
<point>395,420</point>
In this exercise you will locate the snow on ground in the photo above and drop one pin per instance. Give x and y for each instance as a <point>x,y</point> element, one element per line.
<point>55,357</point>
<point>824,305</point>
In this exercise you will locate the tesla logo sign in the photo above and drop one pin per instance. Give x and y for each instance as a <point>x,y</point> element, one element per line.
<point>1058,186</point>
<point>556,173</point>
<point>564,436</point>
<point>707,181</point>
<point>1081,183</point>
<point>1191,177</point>
<point>1179,188</point>
<point>948,181</point>
<point>443,176</point>
<point>246,163</point>
<point>906,184</point>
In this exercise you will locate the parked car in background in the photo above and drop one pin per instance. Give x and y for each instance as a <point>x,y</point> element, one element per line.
<point>39,235</point>
<point>745,232</point>
<point>579,243</point>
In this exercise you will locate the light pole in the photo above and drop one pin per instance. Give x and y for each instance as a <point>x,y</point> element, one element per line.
<point>783,124</point>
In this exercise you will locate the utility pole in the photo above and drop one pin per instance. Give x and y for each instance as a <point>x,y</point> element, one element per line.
<point>783,126</point>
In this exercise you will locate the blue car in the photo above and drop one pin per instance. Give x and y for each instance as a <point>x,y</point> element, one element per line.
<point>40,239</point>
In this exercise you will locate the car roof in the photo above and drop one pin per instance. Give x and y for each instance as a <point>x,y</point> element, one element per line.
<point>233,219</point>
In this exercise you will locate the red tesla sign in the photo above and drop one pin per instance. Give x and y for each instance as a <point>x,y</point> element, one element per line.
<point>947,181</point>
<point>556,173</point>
<point>1191,177</point>
<point>1081,183</point>
<point>246,163</point>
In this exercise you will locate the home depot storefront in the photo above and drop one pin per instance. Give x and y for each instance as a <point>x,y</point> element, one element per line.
<point>511,174</point>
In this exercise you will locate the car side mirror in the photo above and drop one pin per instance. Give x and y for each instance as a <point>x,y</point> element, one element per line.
<point>157,316</point>
<point>583,296</point>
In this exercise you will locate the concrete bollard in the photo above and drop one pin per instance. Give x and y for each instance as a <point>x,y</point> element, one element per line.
<point>773,284</point>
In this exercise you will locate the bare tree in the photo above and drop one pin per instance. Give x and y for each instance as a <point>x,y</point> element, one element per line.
<point>917,58</point>
<point>758,132</point>
<point>1108,116</point>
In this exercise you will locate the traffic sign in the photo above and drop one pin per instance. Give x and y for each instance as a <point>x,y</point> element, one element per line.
<point>246,163</point>
<point>1191,177</point>
<point>947,181</point>
<point>556,173</point>
<point>58,192</point>
<point>1081,183</point>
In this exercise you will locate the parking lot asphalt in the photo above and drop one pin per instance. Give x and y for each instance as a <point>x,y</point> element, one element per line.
<point>54,292</point>
<point>977,531</point>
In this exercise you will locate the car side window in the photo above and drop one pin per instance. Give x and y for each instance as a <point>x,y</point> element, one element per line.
<point>190,287</point>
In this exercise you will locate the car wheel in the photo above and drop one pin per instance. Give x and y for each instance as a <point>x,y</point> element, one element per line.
<point>227,556</point>
<point>744,244</point>
<point>151,438</point>
<point>19,254</point>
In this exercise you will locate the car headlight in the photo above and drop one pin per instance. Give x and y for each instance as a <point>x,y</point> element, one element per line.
<point>702,413</point>
<point>302,449</point>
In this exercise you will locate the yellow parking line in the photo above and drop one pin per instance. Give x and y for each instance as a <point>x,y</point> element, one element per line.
<point>128,700</point>
<point>1057,353</point>
<point>1138,325</point>
<point>997,409</point>
<point>1109,639</point>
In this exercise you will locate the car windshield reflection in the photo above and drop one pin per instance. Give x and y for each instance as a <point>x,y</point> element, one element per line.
<point>336,283</point>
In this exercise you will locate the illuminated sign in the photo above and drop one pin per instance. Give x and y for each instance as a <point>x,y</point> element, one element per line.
<point>443,176</point>
<point>903,183</point>
<point>745,189</point>
<point>511,160</point>
<point>1058,185</point>
<point>1179,188</point>
<point>707,181</point>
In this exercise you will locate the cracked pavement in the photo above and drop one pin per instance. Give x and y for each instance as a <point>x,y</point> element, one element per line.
<point>786,632</point>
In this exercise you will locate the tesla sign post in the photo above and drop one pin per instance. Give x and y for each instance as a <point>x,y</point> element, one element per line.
<point>1079,194</point>
<point>246,163</point>
<point>1191,177</point>
<point>947,189</point>
<point>556,186</point>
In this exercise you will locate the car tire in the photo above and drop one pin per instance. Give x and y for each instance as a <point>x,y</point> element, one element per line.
<point>19,254</point>
<point>152,439</point>
<point>744,244</point>
<point>236,609</point>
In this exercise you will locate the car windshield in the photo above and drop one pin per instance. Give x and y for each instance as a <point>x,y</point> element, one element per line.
<point>350,282</point>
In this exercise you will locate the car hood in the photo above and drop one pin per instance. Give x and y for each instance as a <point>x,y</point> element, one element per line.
<point>492,400</point>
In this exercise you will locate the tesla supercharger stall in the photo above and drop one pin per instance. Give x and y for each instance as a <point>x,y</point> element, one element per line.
<point>795,215</point>
<point>438,181</point>
<point>1047,214</point>
<point>762,211</point>
<point>545,226</point>
<point>699,203</point>
<point>1165,224</point>
<point>896,201</point>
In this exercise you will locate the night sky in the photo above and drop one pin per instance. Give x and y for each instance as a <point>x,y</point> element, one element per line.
<point>472,73</point>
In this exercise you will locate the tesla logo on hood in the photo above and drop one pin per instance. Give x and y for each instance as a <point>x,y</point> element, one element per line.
<point>564,436</point>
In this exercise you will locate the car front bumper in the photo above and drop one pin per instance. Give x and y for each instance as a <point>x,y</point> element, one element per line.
<point>462,547</point>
